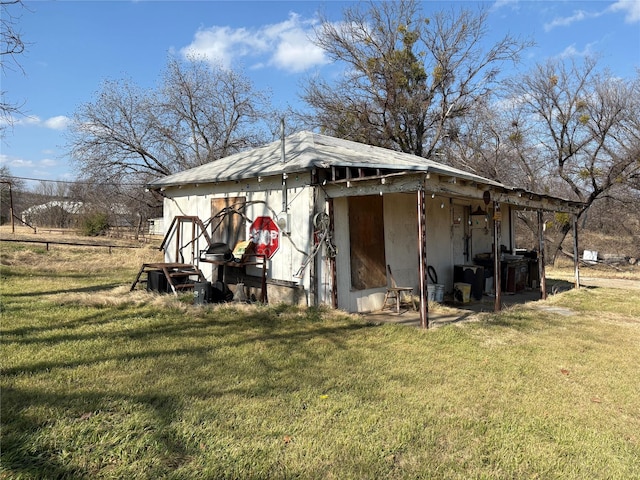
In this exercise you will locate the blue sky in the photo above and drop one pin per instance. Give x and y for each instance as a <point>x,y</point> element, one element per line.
<point>74,45</point>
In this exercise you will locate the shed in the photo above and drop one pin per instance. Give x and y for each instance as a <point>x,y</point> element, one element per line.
<point>342,212</point>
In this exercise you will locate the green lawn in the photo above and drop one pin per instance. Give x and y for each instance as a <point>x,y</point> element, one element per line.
<point>100,383</point>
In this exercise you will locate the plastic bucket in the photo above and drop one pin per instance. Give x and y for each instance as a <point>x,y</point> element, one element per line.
<point>439,292</point>
<point>431,293</point>
<point>462,292</point>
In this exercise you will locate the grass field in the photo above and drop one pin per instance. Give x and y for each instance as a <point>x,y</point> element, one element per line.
<point>99,382</point>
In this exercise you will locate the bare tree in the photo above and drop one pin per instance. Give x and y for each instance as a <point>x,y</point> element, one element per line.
<point>11,45</point>
<point>213,113</point>
<point>583,124</point>
<point>407,77</point>
<point>126,206</point>
<point>199,114</point>
<point>117,136</point>
<point>489,141</point>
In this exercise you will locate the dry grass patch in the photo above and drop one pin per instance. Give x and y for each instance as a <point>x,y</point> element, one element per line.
<point>72,259</point>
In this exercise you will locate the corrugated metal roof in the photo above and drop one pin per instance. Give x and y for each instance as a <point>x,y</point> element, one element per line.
<point>303,151</point>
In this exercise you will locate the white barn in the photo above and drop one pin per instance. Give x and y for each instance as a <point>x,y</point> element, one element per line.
<point>345,211</point>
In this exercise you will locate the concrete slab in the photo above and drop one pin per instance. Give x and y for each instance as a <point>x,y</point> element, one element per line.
<point>449,312</point>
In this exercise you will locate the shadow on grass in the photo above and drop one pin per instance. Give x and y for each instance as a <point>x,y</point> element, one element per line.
<point>89,289</point>
<point>104,315</point>
<point>27,449</point>
<point>188,349</point>
<point>555,286</point>
<point>26,452</point>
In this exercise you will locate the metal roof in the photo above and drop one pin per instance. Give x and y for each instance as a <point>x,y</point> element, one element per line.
<point>304,151</point>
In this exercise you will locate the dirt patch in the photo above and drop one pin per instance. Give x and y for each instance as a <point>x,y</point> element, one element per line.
<point>564,312</point>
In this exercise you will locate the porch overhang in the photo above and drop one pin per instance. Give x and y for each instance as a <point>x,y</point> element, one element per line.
<point>445,184</point>
<point>450,186</point>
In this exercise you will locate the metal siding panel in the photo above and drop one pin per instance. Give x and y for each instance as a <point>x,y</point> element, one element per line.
<point>401,233</point>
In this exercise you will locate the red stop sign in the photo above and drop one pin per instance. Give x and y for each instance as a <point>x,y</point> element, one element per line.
<point>265,235</point>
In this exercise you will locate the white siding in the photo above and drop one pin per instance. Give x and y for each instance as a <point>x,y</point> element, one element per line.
<point>439,241</point>
<point>343,262</point>
<point>401,237</point>
<point>264,198</point>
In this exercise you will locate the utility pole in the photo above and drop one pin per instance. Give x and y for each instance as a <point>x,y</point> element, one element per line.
<point>13,225</point>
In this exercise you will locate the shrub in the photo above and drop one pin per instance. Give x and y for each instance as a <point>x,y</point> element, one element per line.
<point>94,224</point>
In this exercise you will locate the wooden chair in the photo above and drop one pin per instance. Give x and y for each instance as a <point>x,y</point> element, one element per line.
<point>394,292</point>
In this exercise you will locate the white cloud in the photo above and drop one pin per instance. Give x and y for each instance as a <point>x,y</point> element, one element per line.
<point>18,163</point>
<point>286,45</point>
<point>59,122</point>
<point>577,16</point>
<point>26,120</point>
<point>505,3</point>
<point>294,51</point>
<point>31,165</point>
<point>47,162</point>
<point>630,7</point>
<point>223,44</point>
<point>572,51</point>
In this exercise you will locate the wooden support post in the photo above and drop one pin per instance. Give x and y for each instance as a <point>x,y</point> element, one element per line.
<point>575,251</point>
<point>11,214</point>
<point>541,257</point>
<point>13,222</point>
<point>178,240</point>
<point>194,243</point>
<point>497,268</point>
<point>422,260</point>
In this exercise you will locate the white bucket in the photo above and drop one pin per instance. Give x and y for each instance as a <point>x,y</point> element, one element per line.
<point>439,293</point>
<point>431,293</point>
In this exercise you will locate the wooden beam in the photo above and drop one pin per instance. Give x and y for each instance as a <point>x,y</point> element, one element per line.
<point>537,202</point>
<point>446,186</point>
<point>340,189</point>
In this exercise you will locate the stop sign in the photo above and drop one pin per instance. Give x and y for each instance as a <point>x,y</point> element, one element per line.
<point>265,235</point>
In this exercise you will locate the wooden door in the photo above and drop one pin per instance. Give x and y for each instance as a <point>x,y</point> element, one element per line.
<point>366,232</point>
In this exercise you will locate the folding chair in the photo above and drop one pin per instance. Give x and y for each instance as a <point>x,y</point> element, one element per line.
<point>394,292</point>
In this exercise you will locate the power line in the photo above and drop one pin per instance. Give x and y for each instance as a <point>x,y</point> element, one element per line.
<point>79,182</point>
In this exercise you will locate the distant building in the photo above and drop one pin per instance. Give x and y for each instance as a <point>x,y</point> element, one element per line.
<point>56,213</point>
<point>156,226</point>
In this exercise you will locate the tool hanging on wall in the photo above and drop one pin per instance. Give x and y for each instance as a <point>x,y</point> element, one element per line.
<point>322,235</point>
